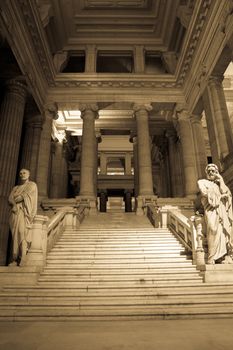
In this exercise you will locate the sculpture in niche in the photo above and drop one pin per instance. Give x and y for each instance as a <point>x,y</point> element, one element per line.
<point>216,199</point>
<point>23,202</point>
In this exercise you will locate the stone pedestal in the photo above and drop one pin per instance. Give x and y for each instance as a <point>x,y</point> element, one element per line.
<point>12,113</point>
<point>36,255</point>
<point>218,273</point>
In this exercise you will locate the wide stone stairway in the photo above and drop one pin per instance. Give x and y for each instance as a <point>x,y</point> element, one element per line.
<point>116,266</point>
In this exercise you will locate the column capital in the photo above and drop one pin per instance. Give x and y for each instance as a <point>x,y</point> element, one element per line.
<point>216,79</point>
<point>133,136</point>
<point>88,106</point>
<point>50,111</point>
<point>35,120</point>
<point>17,86</point>
<point>171,134</point>
<point>181,113</point>
<point>142,106</point>
<point>195,118</point>
<point>89,109</point>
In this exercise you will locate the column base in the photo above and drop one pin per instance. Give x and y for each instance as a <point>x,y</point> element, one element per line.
<point>89,202</point>
<point>143,201</point>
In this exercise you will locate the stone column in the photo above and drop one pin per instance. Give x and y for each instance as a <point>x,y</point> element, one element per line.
<point>59,171</point>
<point>103,163</point>
<point>11,120</point>
<point>188,152</point>
<point>144,150</point>
<point>134,140</point>
<point>89,114</point>
<point>90,61</point>
<point>175,165</point>
<point>128,201</point>
<point>103,201</point>
<point>128,164</point>
<point>199,144</point>
<point>217,118</point>
<point>139,59</point>
<point>44,152</point>
<point>31,144</point>
<point>98,139</point>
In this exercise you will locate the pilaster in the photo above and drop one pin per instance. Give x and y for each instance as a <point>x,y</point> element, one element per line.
<point>199,144</point>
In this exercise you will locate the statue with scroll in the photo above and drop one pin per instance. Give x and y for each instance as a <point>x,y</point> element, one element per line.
<point>23,202</point>
<point>216,199</point>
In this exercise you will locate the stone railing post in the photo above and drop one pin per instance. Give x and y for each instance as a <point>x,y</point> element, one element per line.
<point>36,255</point>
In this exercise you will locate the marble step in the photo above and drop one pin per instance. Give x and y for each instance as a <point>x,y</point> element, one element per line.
<point>71,313</point>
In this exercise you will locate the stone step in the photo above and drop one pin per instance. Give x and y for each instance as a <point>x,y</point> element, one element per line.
<point>86,301</point>
<point>107,271</point>
<point>114,250</point>
<point>116,284</point>
<point>115,255</point>
<point>71,313</point>
<point>160,289</point>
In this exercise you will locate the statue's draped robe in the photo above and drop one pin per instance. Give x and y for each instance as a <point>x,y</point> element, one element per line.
<point>21,218</point>
<point>218,217</point>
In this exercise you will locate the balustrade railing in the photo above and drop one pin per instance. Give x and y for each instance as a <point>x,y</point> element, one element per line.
<point>45,232</point>
<point>189,231</point>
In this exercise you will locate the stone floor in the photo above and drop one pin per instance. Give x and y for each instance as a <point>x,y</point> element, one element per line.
<point>136,335</point>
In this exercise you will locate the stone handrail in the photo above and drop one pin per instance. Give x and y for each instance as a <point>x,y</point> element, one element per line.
<point>189,231</point>
<point>154,215</point>
<point>46,232</point>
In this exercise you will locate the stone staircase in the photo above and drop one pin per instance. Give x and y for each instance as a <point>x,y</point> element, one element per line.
<point>116,266</point>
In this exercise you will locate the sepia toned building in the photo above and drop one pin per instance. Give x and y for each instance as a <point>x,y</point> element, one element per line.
<point>116,107</point>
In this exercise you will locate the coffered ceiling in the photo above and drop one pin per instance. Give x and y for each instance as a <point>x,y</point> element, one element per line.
<point>111,21</point>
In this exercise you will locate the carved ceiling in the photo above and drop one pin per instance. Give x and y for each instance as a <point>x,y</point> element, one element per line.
<point>110,21</point>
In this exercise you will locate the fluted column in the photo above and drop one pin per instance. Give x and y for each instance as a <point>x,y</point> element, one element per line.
<point>31,144</point>
<point>42,178</point>
<point>59,171</point>
<point>89,114</point>
<point>217,119</point>
<point>134,140</point>
<point>144,151</point>
<point>188,152</point>
<point>175,165</point>
<point>98,139</point>
<point>199,144</point>
<point>11,120</point>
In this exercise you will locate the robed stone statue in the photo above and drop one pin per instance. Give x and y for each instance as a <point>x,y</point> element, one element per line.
<point>23,202</point>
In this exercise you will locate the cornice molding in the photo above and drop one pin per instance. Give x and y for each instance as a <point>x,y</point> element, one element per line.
<point>35,26</point>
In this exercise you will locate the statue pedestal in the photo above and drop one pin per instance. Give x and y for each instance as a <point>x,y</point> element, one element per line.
<point>217,273</point>
<point>17,275</point>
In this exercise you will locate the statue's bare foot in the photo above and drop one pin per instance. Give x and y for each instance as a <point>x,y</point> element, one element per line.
<point>22,262</point>
<point>210,262</point>
<point>227,260</point>
<point>13,263</point>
